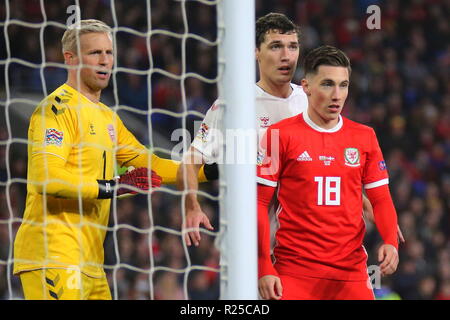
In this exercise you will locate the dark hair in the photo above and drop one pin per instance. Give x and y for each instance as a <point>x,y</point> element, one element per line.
<point>274,21</point>
<point>325,55</point>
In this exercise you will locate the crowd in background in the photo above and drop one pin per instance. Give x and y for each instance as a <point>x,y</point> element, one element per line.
<point>400,85</point>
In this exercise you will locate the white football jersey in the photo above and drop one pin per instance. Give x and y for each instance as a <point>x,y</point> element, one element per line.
<point>269,110</point>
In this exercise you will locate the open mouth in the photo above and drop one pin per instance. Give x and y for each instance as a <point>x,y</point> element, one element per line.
<point>103,74</point>
<point>285,69</point>
<point>333,107</point>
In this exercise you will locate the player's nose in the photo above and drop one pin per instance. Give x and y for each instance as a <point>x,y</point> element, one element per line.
<point>336,94</point>
<point>103,59</point>
<point>284,55</point>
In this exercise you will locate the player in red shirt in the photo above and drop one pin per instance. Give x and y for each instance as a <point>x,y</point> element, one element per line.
<point>319,162</point>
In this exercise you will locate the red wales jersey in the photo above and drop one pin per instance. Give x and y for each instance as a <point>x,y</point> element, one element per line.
<point>320,175</point>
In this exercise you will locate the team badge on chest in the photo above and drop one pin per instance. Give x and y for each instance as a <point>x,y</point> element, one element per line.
<point>265,122</point>
<point>352,157</point>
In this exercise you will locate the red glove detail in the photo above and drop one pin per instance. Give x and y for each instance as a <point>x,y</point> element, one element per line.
<point>138,179</point>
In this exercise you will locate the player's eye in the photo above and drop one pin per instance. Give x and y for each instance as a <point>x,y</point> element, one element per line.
<point>293,47</point>
<point>276,46</point>
<point>344,85</point>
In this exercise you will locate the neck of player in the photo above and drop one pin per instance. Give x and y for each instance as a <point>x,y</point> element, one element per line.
<point>321,121</point>
<point>283,90</point>
<point>80,86</point>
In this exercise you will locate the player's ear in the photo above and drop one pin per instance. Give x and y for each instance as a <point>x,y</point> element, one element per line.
<point>305,86</point>
<point>69,58</point>
<point>257,53</point>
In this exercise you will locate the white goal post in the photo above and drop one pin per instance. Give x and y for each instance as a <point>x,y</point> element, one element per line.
<point>237,52</point>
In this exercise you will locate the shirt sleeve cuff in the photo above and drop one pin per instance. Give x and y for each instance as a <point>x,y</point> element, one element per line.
<point>266,182</point>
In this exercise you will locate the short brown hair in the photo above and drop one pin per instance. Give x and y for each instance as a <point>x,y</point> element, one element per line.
<point>325,55</point>
<point>69,39</point>
<point>274,21</point>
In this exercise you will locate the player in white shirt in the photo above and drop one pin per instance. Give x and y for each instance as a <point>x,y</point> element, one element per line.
<point>269,110</point>
<point>277,53</point>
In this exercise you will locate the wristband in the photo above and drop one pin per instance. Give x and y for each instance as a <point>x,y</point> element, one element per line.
<point>211,171</point>
<point>105,189</point>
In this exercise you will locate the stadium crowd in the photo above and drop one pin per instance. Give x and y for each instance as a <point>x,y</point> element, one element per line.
<point>400,85</point>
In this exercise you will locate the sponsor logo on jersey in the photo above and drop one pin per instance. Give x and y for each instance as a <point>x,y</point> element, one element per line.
<point>382,165</point>
<point>326,160</point>
<point>91,129</point>
<point>265,122</point>
<point>351,156</point>
<point>111,132</point>
<point>53,136</point>
<point>304,157</point>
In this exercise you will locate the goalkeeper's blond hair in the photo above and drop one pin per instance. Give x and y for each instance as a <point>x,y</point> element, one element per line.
<point>74,32</point>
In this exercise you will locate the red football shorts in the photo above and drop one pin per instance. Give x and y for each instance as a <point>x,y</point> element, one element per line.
<point>306,288</point>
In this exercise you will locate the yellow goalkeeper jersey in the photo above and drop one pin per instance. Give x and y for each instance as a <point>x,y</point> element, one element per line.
<point>72,143</point>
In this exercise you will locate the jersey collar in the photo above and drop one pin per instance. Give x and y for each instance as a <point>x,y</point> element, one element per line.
<point>80,95</point>
<point>320,129</point>
<point>265,93</point>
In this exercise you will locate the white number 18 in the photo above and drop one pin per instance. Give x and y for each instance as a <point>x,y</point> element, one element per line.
<point>332,186</point>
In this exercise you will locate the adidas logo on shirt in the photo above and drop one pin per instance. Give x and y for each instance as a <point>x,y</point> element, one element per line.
<point>304,157</point>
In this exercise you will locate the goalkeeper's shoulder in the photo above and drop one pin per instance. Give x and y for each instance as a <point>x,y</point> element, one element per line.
<point>57,103</point>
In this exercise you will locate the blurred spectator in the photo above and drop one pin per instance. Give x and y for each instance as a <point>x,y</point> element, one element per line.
<point>167,287</point>
<point>199,287</point>
<point>444,291</point>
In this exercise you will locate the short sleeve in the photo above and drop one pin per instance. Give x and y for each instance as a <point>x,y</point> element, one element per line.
<point>209,139</point>
<point>269,162</point>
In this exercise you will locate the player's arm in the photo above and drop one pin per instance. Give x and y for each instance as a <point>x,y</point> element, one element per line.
<point>131,152</point>
<point>200,152</point>
<point>52,133</point>
<point>268,171</point>
<point>375,181</point>
<point>386,222</point>
<point>368,215</point>
<point>187,180</point>
<point>167,168</point>
<point>49,176</point>
<point>269,283</point>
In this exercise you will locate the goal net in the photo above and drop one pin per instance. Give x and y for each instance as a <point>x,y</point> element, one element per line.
<point>166,75</point>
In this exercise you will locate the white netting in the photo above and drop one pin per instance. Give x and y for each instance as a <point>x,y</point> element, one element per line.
<point>165,77</point>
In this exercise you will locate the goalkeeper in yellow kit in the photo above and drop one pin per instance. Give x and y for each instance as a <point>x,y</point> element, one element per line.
<point>74,144</point>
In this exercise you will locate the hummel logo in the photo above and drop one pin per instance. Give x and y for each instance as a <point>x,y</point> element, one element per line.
<point>304,157</point>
